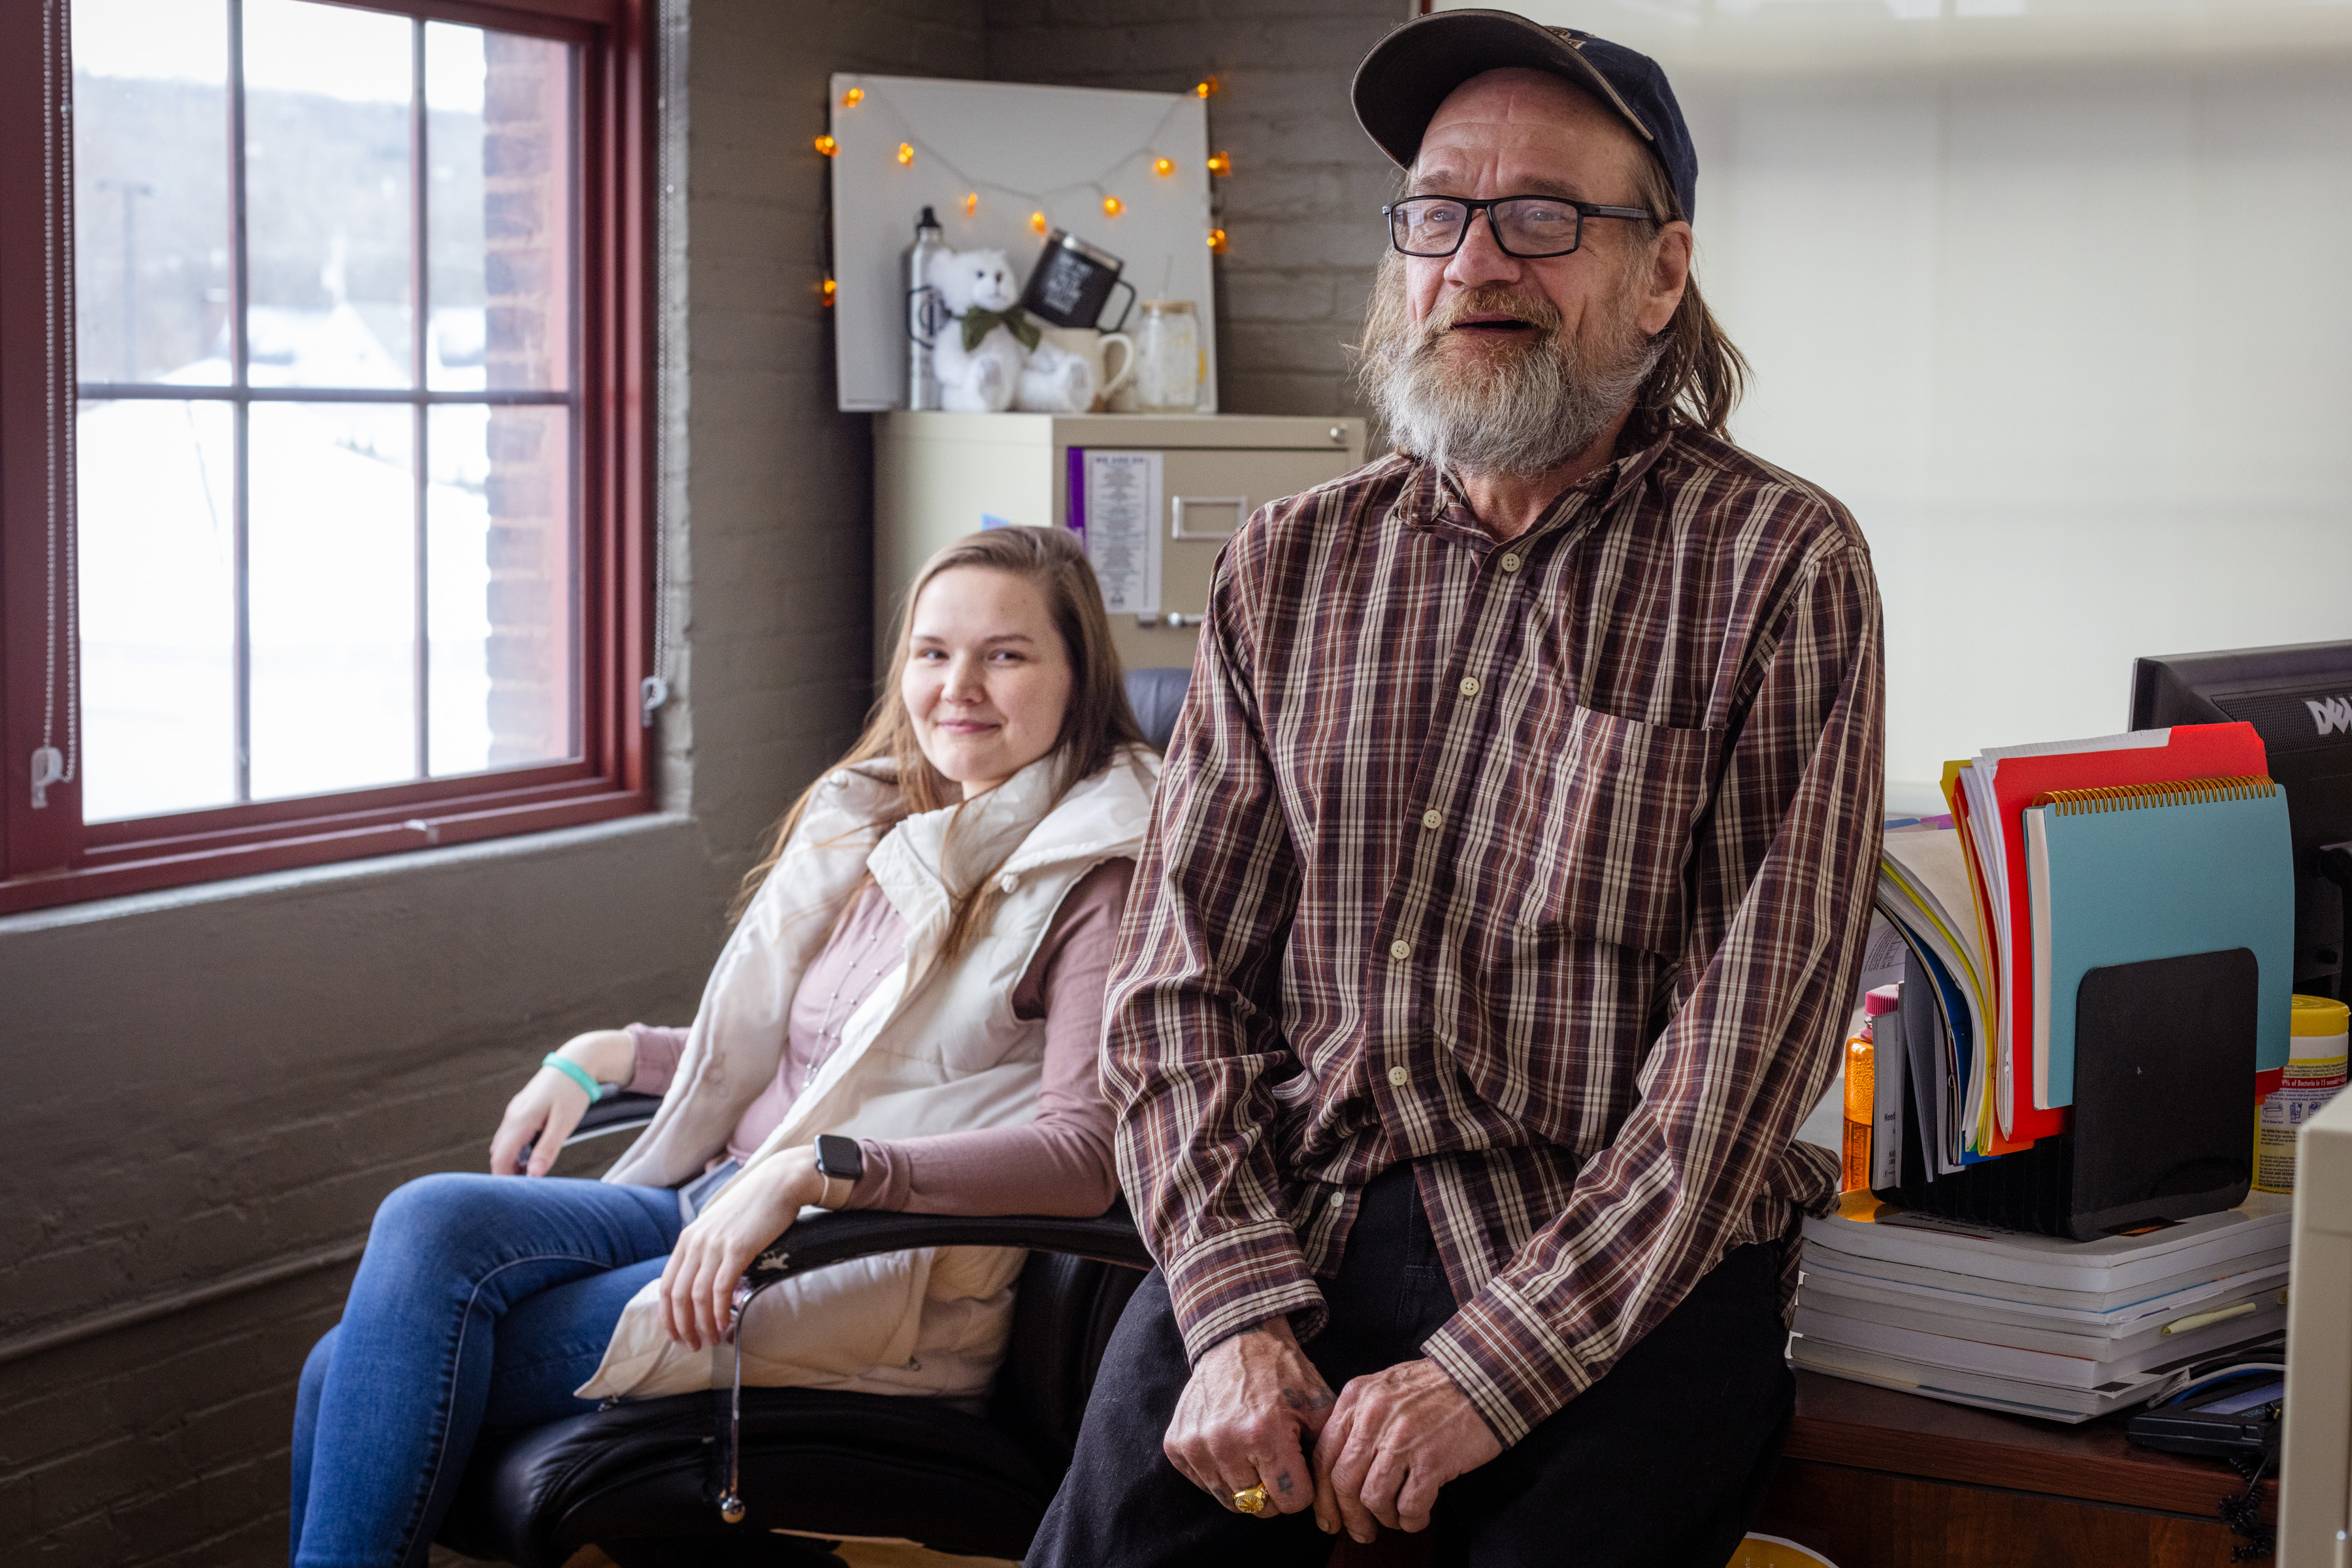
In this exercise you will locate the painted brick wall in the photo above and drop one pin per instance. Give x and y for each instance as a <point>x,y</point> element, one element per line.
<point>1300,210</point>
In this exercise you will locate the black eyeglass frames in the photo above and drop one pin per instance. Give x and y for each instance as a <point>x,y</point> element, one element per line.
<point>1529,227</point>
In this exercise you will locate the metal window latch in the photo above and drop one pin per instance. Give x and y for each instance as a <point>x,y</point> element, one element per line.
<point>652,693</point>
<point>49,768</point>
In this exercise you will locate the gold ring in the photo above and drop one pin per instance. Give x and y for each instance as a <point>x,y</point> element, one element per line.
<point>1253,1501</point>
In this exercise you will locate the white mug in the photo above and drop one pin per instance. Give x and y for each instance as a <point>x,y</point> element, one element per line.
<point>1093,347</point>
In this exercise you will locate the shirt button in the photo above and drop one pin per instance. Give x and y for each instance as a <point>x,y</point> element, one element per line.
<point>1469,686</point>
<point>1510,562</point>
<point>1338,1200</point>
<point>1399,1077</point>
<point>1399,950</point>
<point>1433,819</point>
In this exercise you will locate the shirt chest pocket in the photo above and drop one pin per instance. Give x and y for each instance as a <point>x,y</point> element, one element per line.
<point>1613,804</point>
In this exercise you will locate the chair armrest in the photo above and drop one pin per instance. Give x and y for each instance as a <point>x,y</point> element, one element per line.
<point>615,1113</point>
<point>1107,1237</point>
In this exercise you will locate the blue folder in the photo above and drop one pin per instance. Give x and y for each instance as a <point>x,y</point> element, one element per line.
<point>2125,882</point>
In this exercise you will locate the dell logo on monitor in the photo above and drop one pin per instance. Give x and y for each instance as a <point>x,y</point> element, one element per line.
<point>2332,714</point>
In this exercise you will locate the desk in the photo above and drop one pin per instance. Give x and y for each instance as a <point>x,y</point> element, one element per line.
<point>1873,1479</point>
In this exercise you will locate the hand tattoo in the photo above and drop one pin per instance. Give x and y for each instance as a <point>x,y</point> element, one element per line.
<point>1309,1399</point>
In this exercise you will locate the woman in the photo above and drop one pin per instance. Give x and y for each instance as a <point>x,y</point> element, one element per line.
<point>920,969</point>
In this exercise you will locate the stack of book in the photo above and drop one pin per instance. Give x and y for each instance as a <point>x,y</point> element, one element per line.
<point>2033,1324</point>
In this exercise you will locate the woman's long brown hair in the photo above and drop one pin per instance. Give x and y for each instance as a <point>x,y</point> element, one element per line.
<point>1097,723</point>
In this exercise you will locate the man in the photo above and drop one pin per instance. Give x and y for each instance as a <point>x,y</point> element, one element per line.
<point>1505,900</point>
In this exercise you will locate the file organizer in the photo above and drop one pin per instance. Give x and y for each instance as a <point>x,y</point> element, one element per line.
<point>2165,1043</point>
<point>2164,1054</point>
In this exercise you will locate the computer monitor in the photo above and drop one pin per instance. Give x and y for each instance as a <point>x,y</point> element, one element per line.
<point>2299,700</point>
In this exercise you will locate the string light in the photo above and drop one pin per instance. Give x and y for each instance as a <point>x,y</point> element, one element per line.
<point>906,153</point>
<point>1206,86</point>
<point>1216,242</point>
<point>1163,167</point>
<point>1113,207</point>
<point>971,202</point>
<point>1038,222</point>
<point>850,100</point>
<point>1221,162</point>
<point>827,292</point>
<point>827,145</point>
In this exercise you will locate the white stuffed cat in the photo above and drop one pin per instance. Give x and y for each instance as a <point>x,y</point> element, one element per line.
<point>989,357</point>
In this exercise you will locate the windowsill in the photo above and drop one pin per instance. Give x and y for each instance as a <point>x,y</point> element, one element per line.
<point>372,870</point>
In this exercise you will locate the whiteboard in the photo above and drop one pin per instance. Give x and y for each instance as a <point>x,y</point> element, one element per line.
<point>1021,150</point>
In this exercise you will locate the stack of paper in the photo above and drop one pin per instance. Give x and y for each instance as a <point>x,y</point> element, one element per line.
<point>2031,1324</point>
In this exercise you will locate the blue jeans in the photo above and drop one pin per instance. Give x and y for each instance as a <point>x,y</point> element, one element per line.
<point>482,1302</point>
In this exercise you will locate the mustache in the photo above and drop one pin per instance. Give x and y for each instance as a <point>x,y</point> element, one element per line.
<point>1492,299</point>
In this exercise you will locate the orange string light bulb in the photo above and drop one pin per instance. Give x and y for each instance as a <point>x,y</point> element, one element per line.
<point>971,202</point>
<point>826,292</point>
<point>1216,242</point>
<point>906,153</point>
<point>1038,222</point>
<point>851,99</point>
<point>1113,207</point>
<point>1206,86</point>
<point>1163,167</point>
<point>1221,162</point>
<point>827,145</point>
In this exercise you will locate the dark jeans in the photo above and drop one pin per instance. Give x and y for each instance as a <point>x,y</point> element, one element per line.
<point>1663,1461</point>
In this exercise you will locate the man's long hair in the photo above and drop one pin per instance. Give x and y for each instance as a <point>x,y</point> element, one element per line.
<point>1701,375</point>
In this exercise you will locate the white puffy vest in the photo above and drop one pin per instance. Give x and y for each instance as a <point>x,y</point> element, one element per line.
<point>931,1050</point>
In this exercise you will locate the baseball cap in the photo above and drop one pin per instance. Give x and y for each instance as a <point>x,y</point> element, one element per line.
<point>1408,74</point>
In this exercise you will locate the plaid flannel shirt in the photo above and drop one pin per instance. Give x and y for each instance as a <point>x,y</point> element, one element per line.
<point>1546,864</point>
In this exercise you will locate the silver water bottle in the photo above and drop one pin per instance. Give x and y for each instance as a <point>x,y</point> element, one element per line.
<point>924,315</point>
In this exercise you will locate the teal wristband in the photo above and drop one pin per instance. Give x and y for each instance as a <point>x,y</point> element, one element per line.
<point>578,1075</point>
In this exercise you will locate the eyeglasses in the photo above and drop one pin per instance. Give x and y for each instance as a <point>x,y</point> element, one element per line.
<point>1529,227</point>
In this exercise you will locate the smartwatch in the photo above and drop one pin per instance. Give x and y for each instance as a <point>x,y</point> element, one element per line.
<point>838,1160</point>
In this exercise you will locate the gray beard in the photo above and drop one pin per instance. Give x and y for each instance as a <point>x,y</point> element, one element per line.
<point>1522,412</point>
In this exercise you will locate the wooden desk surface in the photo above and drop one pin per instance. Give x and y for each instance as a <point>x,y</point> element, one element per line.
<point>1842,1423</point>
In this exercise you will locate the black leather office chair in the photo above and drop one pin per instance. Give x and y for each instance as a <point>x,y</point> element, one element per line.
<point>647,1481</point>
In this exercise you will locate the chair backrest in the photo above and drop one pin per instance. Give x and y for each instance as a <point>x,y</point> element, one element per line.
<point>1062,1317</point>
<point>1157,695</point>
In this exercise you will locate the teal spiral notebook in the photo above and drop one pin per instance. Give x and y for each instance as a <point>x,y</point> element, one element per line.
<point>2121,875</point>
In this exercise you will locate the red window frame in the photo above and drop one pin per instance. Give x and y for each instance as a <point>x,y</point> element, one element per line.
<point>50,856</point>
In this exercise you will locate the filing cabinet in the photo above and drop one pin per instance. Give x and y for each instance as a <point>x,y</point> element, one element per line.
<point>1155,496</point>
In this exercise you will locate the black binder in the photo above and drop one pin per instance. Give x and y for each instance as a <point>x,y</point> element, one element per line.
<point>2163,1125</point>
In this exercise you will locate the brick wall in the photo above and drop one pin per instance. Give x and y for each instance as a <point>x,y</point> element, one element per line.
<point>1300,210</point>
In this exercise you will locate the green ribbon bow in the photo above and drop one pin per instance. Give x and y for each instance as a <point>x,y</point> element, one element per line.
<point>978,323</point>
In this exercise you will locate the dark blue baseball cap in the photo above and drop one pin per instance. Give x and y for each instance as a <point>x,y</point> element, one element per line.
<point>1408,74</point>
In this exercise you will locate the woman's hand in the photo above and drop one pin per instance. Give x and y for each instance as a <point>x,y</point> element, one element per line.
<point>697,1284</point>
<point>551,1105</point>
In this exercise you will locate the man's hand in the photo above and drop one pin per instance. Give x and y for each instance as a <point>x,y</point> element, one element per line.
<point>1239,1421</point>
<point>698,1283</point>
<point>1394,1439</point>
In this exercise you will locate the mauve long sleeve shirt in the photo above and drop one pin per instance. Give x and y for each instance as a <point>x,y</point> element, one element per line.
<point>1058,1164</point>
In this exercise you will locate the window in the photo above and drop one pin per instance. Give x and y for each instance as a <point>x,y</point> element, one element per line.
<point>323,431</point>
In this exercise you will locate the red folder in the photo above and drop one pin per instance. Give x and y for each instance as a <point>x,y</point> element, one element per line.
<point>2191,752</point>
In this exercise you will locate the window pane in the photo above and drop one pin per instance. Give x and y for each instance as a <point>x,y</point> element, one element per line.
<point>502,569</point>
<point>151,190</point>
<point>327,195</point>
<point>158,700</point>
<point>332,531</point>
<point>498,150</point>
